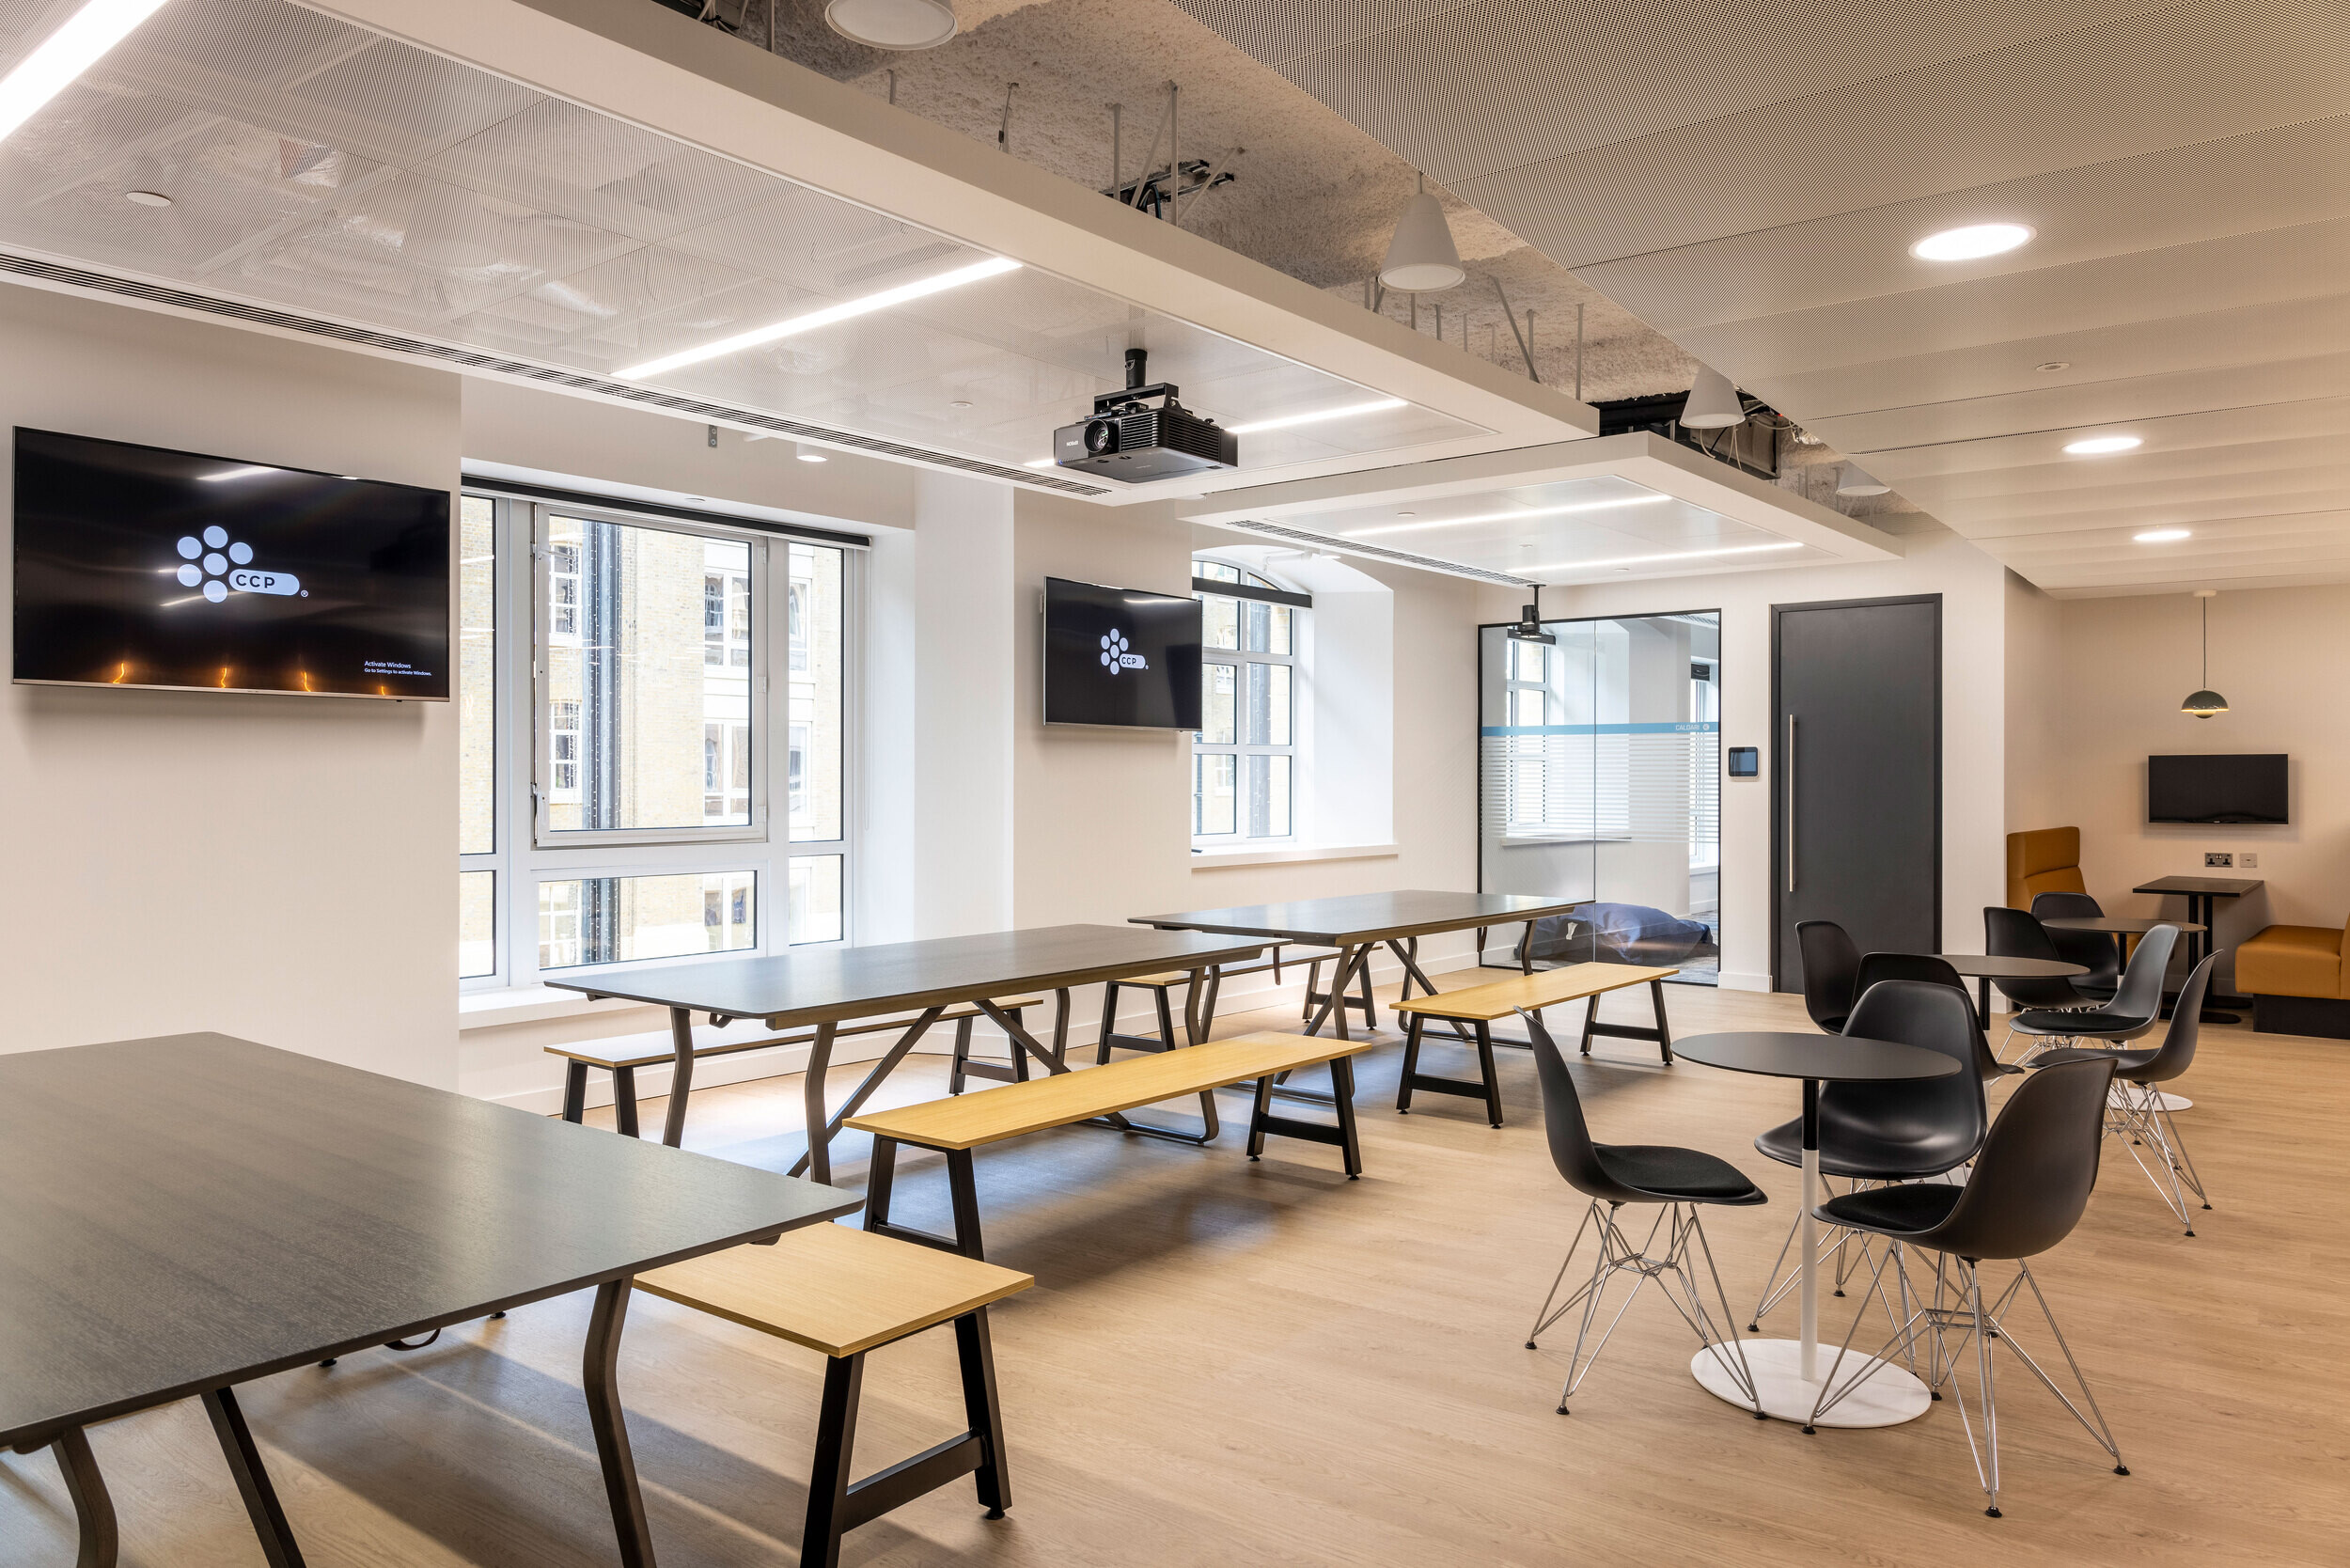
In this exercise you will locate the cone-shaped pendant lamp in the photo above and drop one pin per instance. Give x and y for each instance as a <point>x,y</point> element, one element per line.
<point>1857,480</point>
<point>900,25</point>
<point>1712,403</point>
<point>2205,702</point>
<point>1422,258</point>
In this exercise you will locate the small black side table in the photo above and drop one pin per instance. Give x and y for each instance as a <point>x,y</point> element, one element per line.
<point>2199,891</point>
<point>1983,968</point>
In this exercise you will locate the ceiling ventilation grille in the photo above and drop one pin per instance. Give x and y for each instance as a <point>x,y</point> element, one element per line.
<point>1402,558</point>
<point>77,277</point>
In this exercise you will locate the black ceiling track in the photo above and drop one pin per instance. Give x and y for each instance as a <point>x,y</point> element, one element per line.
<point>104,283</point>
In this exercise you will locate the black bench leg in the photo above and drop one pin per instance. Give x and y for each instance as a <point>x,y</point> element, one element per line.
<point>836,1446</point>
<point>245,1464</point>
<point>880,1176</point>
<point>1485,1067</point>
<point>1019,1057</point>
<point>93,1510</point>
<point>1591,1016</point>
<point>624,1100</point>
<point>576,1091</point>
<point>962,1054</point>
<point>1371,1012</point>
<point>1342,1091</point>
<point>1257,1117</point>
<point>1663,1030</point>
<point>982,1411</point>
<point>1411,1065</point>
<point>965,1193</point>
<point>1167,1016</point>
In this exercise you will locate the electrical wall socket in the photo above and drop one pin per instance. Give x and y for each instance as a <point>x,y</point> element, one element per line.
<point>2218,858</point>
<point>2248,860</point>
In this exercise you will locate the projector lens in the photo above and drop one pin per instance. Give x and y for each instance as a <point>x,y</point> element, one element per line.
<point>1100,437</point>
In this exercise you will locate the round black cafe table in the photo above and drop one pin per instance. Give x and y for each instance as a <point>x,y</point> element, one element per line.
<point>1983,968</point>
<point>1787,1372</point>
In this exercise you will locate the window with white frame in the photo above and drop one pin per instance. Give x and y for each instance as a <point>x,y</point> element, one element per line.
<point>624,707</point>
<point>1245,757</point>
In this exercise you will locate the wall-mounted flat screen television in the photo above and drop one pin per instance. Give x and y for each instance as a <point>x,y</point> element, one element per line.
<point>138,566</point>
<point>1120,657</point>
<point>2216,788</point>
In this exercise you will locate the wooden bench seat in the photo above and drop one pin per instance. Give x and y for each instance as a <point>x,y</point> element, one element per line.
<point>845,1293</point>
<point>1479,1006</point>
<point>958,1126</point>
<point>622,1055</point>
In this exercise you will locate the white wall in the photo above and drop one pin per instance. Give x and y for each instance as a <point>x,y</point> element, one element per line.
<point>2039,695</point>
<point>1973,718</point>
<point>2278,655</point>
<point>277,868</point>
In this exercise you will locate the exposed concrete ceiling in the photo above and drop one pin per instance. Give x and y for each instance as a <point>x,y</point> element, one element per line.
<point>1312,196</point>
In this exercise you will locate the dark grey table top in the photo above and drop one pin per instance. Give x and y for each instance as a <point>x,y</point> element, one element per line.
<point>1829,1058</point>
<point>2210,887</point>
<point>1367,917</point>
<point>2114,923</point>
<point>189,1212</point>
<point>1994,967</point>
<point>818,985</point>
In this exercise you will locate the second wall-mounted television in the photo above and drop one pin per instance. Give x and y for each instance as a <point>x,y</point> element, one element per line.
<point>2248,788</point>
<point>1119,656</point>
<point>140,566</point>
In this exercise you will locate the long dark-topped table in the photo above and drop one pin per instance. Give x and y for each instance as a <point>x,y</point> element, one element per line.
<point>1357,923</point>
<point>189,1213</point>
<point>827,987</point>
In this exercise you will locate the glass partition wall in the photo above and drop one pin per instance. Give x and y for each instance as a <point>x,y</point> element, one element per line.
<point>1599,764</point>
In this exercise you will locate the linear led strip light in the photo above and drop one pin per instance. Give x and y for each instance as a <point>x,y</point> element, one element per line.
<point>1673,556</point>
<point>64,54</point>
<point>1510,516</point>
<point>792,326</point>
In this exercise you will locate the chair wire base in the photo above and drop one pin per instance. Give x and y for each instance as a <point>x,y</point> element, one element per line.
<point>1684,1247</point>
<point>1958,1311</point>
<point>2135,1114</point>
<point>1835,1244</point>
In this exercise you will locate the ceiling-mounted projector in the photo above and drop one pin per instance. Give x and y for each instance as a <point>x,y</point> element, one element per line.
<point>1129,440</point>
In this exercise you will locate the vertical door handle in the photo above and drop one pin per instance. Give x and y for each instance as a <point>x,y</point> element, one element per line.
<point>1791,803</point>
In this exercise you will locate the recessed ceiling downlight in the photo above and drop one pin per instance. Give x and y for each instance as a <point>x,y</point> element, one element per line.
<point>2162,536</point>
<point>892,24</point>
<point>1972,243</point>
<point>2097,445</point>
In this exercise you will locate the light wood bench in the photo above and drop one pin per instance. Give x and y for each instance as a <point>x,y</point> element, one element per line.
<point>622,1055</point>
<point>1478,1005</point>
<point>956,1127</point>
<point>845,1293</point>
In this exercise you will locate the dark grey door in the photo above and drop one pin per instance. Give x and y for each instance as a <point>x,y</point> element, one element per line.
<point>1856,794</point>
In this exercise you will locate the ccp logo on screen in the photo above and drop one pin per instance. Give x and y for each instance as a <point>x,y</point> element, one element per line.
<point>214,564</point>
<point>1114,654</point>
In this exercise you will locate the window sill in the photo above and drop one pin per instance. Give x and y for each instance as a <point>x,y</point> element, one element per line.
<point>1203,861</point>
<point>526,1004</point>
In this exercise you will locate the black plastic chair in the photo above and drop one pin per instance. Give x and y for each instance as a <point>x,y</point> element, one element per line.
<point>2136,1006</point>
<point>2031,1182</point>
<point>1832,968</point>
<point>2093,951</point>
<point>1893,1131</point>
<point>1933,970</point>
<point>2013,933</point>
<point>2137,1115</point>
<point>1611,1176</point>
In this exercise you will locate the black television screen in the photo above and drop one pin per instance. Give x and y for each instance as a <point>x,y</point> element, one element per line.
<point>138,566</point>
<point>1119,657</point>
<point>2236,788</point>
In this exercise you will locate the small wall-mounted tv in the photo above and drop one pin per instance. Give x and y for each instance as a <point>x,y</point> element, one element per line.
<point>139,566</point>
<point>2248,788</point>
<point>1119,657</point>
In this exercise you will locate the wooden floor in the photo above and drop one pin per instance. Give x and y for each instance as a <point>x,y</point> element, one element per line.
<point>1225,1363</point>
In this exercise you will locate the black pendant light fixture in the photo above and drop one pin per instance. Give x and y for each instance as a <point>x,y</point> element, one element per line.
<point>2205,702</point>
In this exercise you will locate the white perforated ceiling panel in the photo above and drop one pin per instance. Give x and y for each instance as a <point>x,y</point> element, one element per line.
<point>1749,179</point>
